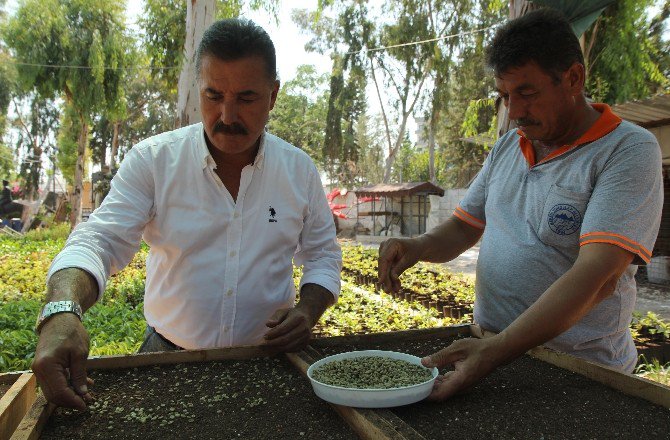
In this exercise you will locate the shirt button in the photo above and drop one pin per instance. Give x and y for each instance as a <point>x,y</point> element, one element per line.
<point>233,253</point>
<point>229,292</point>
<point>225,329</point>
<point>236,215</point>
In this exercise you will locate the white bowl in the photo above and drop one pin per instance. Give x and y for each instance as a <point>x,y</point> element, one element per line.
<point>373,397</point>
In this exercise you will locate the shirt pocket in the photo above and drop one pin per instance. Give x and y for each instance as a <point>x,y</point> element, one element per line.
<point>562,217</point>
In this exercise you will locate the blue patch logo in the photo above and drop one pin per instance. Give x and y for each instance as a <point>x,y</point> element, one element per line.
<point>564,219</point>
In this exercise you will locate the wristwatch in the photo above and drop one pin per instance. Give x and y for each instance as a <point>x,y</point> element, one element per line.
<point>55,307</point>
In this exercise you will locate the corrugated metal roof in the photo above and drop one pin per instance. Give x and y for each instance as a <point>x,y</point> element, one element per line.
<point>400,189</point>
<point>650,112</point>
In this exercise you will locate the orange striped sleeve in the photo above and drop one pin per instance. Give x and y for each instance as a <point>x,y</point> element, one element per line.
<point>617,240</point>
<point>467,218</point>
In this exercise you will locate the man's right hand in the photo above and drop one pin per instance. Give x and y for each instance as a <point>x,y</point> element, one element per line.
<point>395,256</point>
<point>60,361</point>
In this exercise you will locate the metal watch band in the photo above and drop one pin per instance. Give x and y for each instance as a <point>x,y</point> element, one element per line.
<point>55,307</point>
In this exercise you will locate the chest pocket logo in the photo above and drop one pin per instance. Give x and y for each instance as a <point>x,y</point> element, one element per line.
<point>564,219</point>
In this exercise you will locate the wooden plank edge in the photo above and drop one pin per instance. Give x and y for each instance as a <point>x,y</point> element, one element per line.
<point>414,335</point>
<point>178,357</point>
<point>630,384</point>
<point>368,424</point>
<point>32,424</point>
<point>15,403</point>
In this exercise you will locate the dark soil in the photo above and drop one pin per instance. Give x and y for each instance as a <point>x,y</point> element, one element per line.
<point>251,399</point>
<point>529,399</point>
<point>4,387</point>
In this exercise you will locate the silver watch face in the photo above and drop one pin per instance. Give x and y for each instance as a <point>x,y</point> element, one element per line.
<point>55,307</point>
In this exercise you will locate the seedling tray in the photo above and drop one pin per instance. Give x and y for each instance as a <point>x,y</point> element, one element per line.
<point>543,394</point>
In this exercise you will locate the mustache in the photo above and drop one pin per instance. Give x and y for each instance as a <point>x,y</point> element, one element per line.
<point>525,122</point>
<point>234,128</point>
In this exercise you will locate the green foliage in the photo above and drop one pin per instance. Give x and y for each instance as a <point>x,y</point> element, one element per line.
<point>650,326</point>
<point>57,232</point>
<point>622,56</point>
<point>66,157</point>
<point>654,370</point>
<point>83,55</point>
<point>7,164</point>
<point>17,338</point>
<point>163,35</point>
<point>342,37</point>
<point>299,115</point>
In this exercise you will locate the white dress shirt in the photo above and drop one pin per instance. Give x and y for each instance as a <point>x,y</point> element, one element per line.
<point>217,268</point>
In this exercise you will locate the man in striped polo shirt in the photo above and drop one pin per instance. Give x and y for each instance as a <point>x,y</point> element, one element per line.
<point>566,206</point>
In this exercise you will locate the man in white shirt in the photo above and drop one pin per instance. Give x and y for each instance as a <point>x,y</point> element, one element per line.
<point>225,208</point>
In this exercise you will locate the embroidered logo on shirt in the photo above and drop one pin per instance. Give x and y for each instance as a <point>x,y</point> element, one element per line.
<point>564,219</point>
<point>273,214</point>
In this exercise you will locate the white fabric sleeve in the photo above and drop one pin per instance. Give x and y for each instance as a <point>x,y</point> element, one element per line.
<point>107,242</point>
<point>318,251</point>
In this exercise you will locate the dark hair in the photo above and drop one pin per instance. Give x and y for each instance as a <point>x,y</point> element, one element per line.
<point>543,36</point>
<point>236,38</point>
<point>5,183</point>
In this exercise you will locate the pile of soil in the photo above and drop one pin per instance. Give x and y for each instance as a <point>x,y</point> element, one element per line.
<point>527,398</point>
<point>250,399</point>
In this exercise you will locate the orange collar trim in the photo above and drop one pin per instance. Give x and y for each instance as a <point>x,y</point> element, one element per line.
<point>607,122</point>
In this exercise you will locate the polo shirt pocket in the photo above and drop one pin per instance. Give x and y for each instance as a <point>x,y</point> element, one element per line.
<point>562,217</point>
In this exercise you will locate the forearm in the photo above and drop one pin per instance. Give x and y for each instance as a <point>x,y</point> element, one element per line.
<point>73,284</point>
<point>314,300</point>
<point>448,240</point>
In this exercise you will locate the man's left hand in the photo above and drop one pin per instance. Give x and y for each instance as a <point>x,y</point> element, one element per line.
<point>290,329</point>
<point>473,359</point>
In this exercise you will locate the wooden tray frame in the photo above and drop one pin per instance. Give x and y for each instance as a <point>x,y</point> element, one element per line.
<point>16,401</point>
<point>372,424</point>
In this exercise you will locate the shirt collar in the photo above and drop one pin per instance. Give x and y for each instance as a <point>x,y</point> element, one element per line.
<point>206,158</point>
<point>607,122</point>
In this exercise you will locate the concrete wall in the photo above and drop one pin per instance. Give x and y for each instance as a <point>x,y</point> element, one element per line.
<point>663,136</point>
<point>441,208</point>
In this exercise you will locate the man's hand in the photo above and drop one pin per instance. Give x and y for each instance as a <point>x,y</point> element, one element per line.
<point>60,362</point>
<point>473,359</point>
<point>290,329</point>
<point>395,256</point>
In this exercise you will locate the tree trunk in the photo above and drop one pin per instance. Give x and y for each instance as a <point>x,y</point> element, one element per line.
<point>517,8</point>
<point>199,15</point>
<point>115,145</point>
<point>431,145</point>
<point>75,215</point>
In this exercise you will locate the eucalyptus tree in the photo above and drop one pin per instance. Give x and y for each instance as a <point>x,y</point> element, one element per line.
<point>299,115</point>
<point>342,37</point>
<point>622,53</point>
<point>7,79</point>
<point>37,129</point>
<point>81,56</point>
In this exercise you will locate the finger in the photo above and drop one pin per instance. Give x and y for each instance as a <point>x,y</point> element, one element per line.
<point>292,322</point>
<point>387,255</point>
<point>451,384</point>
<point>55,385</point>
<point>78,376</point>
<point>446,356</point>
<point>277,317</point>
<point>397,269</point>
